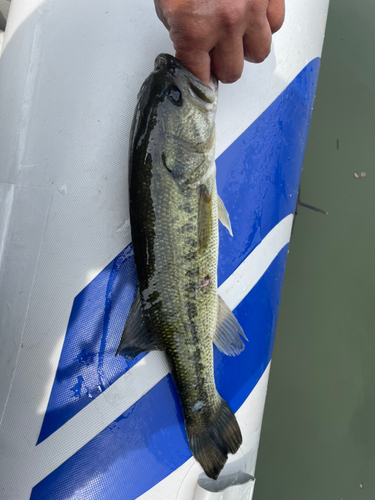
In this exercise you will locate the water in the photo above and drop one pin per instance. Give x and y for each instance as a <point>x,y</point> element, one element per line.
<point>318,437</point>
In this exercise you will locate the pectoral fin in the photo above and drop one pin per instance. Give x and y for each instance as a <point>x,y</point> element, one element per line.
<point>228,331</point>
<point>204,217</point>
<point>223,215</point>
<point>135,337</point>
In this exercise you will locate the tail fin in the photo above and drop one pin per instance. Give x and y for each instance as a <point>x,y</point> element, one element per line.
<point>211,445</point>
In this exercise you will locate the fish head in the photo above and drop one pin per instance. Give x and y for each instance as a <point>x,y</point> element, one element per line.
<point>178,111</point>
<point>189,106</point>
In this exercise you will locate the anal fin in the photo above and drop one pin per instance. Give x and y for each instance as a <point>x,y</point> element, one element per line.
<point>135,337</point>
<point>228,331</point>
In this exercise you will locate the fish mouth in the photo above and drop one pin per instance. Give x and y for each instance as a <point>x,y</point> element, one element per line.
<point>202,93</point>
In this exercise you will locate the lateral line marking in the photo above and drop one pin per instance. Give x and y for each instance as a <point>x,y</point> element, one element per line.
<point>151,369</point>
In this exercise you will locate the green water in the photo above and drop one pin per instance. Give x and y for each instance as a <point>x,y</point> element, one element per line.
<point>318,436</point>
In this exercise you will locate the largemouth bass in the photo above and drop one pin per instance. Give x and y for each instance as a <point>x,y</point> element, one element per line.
<point>174,210</point>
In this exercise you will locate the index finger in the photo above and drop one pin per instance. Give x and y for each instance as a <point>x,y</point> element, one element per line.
<point>197,62</point>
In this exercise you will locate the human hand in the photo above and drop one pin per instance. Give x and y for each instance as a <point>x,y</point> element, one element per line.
<point>219,35</point>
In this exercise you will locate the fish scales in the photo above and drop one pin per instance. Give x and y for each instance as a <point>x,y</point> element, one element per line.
<point>174,222</point>
<point>181,313</point>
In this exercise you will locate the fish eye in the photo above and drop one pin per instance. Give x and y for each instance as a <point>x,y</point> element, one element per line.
<point>174,95</point>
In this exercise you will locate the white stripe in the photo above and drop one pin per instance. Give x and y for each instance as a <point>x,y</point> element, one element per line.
<point>247,274</point>
<point>135,383</point>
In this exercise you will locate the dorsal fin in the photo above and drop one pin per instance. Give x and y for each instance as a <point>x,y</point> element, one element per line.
<point>223,215</point>
<point>228,331</point>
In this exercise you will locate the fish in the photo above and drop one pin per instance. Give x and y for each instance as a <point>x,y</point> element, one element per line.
<point>174,212</point>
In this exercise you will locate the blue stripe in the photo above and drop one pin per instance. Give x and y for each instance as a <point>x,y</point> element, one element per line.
<point>87,364</point>
<point>148,441</point>
<point>258,177</point>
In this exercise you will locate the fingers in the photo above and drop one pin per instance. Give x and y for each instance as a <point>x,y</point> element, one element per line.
<point>257,42</point>
<point>161,16</point>
<point>220,34</point>
<point>215,43</point>
<point>227,59</point>
<point>197,62</point>
<point>276,14</point>
<point>193,42</point>
<point>257,37</point>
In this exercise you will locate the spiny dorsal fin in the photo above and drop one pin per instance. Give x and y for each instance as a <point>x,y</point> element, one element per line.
<point>228,331</point>
<point>135,337</point>
<point>223,215</point>
<point>204,217</point>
